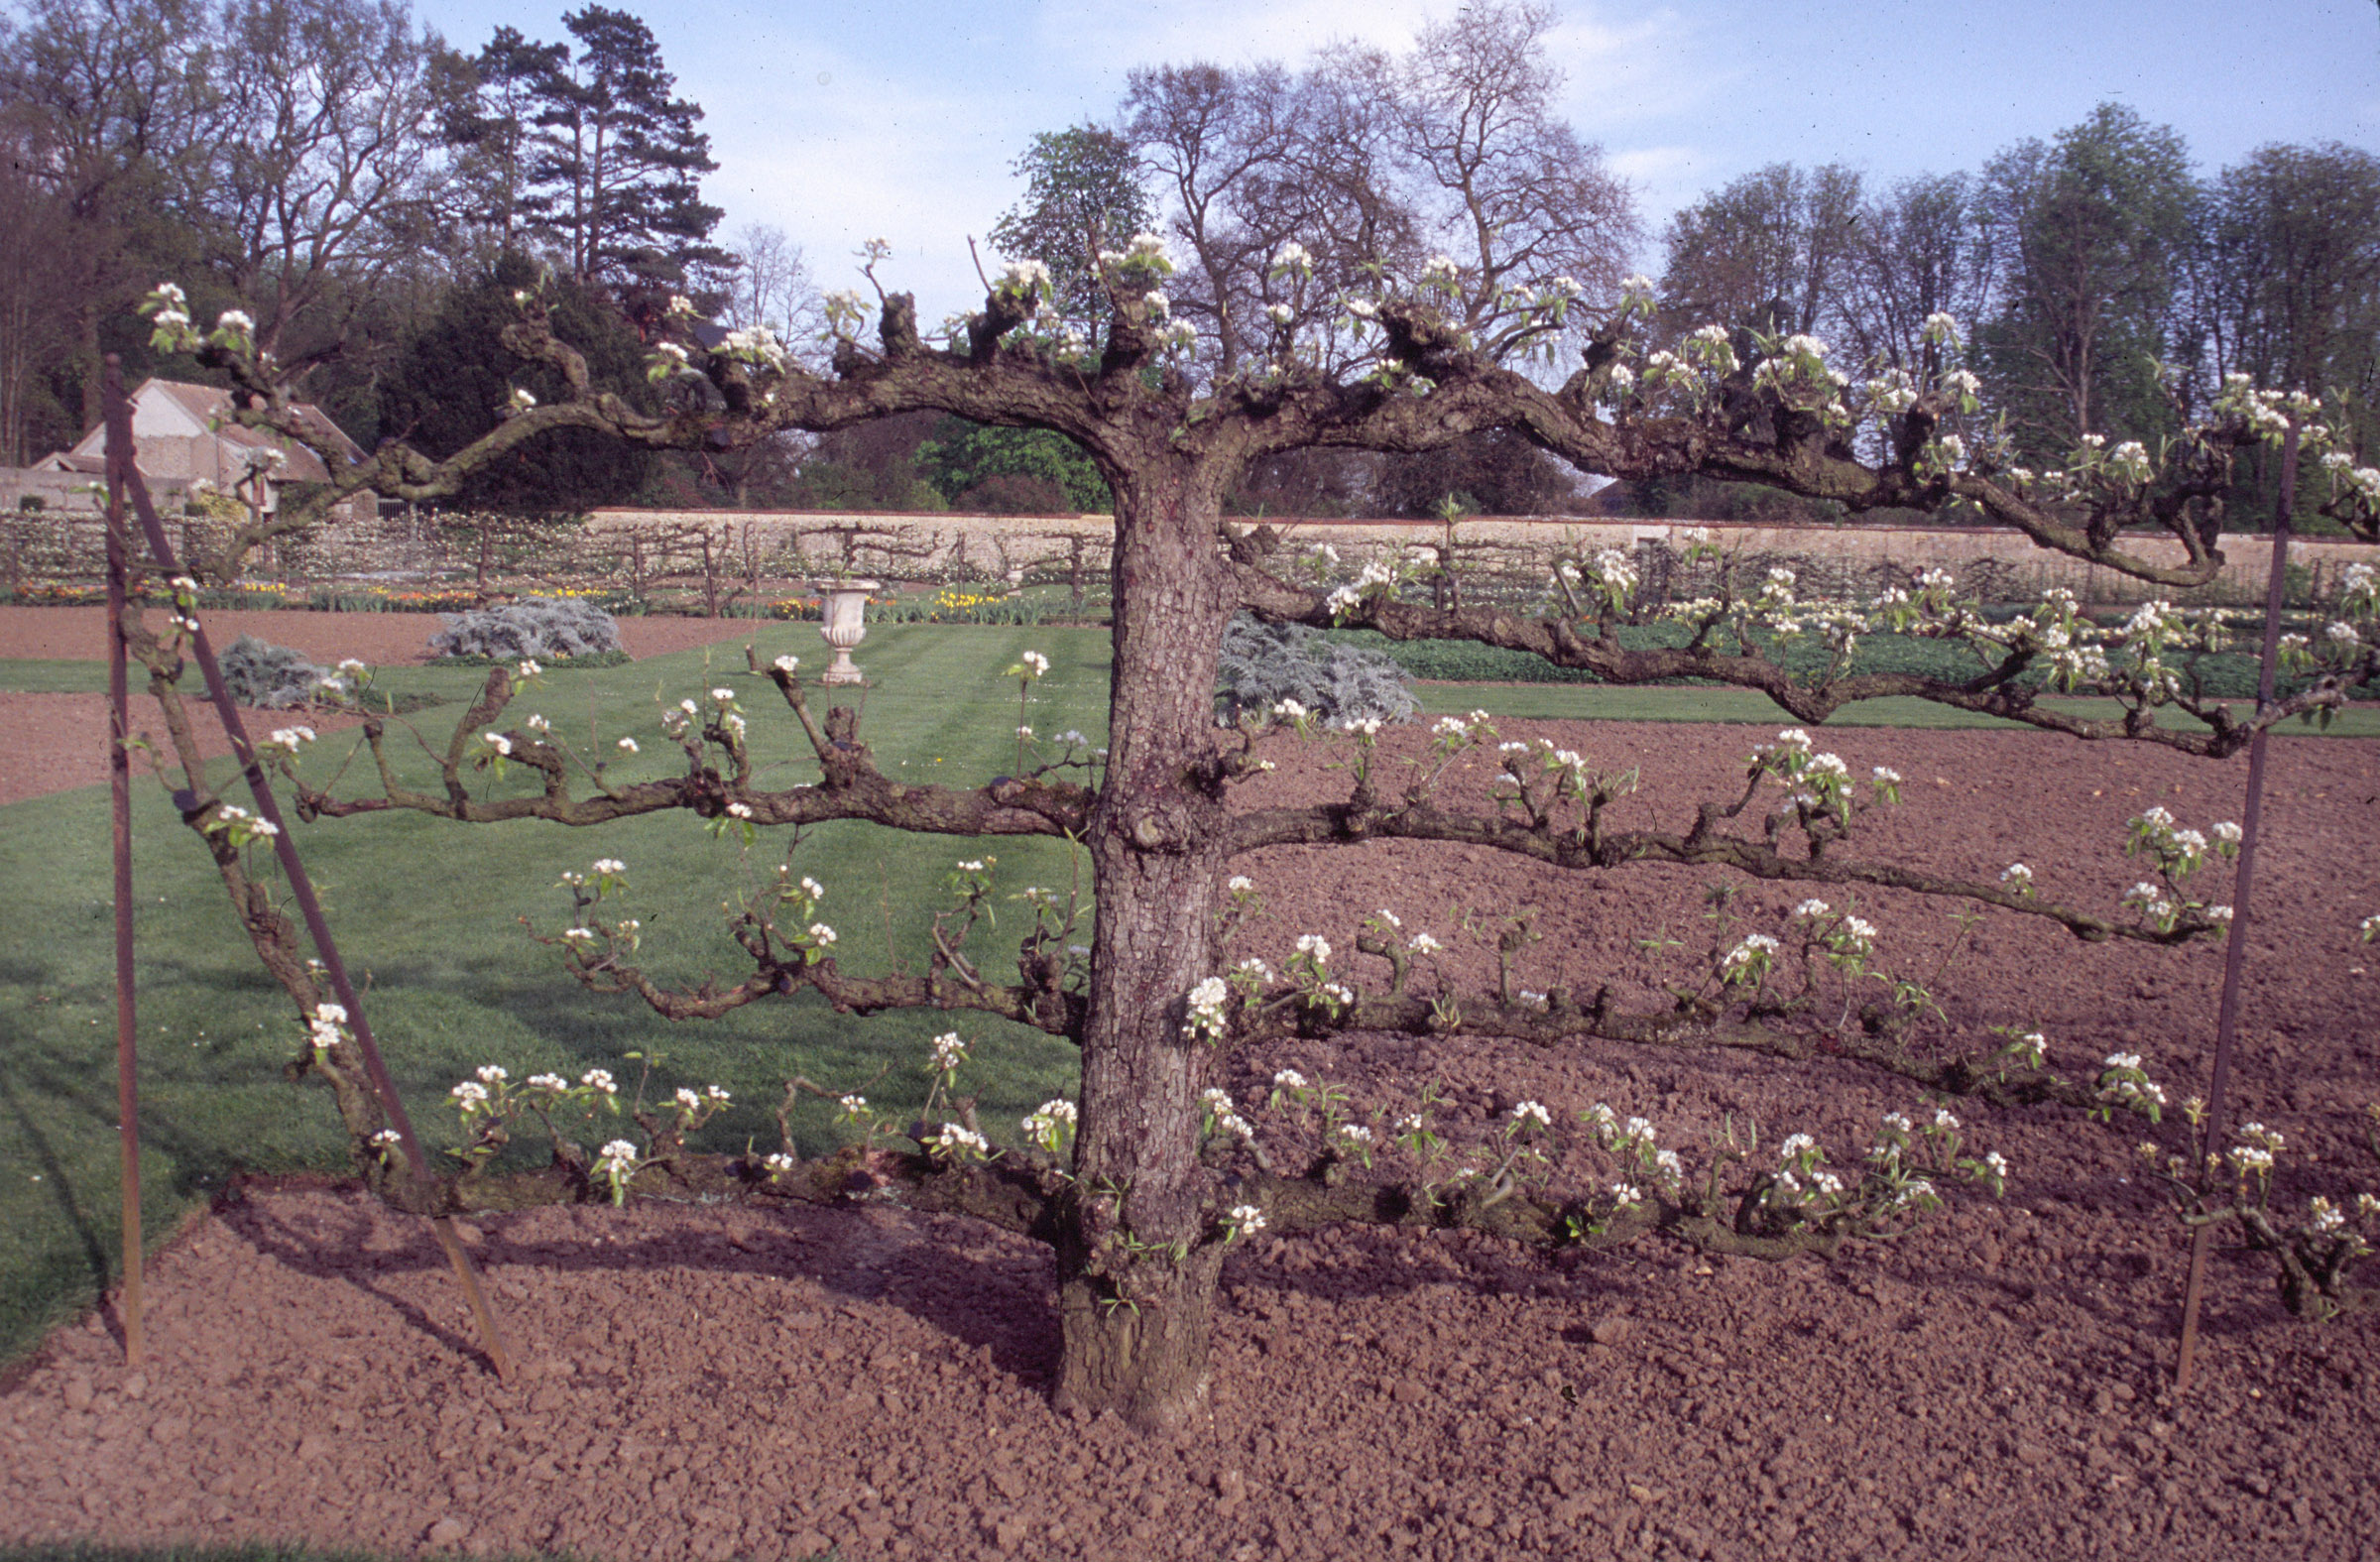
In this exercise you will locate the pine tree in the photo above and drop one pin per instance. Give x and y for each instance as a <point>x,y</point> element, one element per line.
<point>487,104</point>
<point>614,162</point>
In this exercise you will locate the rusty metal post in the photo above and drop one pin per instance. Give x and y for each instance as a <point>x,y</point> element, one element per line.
<point>301,889</point>
<point>119,787</point>
<point>2226,1024</point>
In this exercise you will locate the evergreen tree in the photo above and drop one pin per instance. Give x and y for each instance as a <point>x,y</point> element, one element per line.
<point>454,384</point>
<point>487,104</point>
<point>614,162</point>
<point>1011,470</point>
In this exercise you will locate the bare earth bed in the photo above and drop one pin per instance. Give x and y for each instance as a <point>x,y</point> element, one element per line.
<point>764,1382</point>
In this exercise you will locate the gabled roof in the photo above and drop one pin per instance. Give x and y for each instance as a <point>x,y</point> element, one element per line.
<point>209,408</point>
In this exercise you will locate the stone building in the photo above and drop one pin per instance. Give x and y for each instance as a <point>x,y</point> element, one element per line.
<point>183,435</point>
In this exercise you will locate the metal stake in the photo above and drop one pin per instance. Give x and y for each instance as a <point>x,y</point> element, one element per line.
<point>119,785</point>
<point>2227,1026</point>
<point>302,888</point>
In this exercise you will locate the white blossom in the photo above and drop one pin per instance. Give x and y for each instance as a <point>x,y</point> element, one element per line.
<point>949,1051</point>
<point>957,1137</point>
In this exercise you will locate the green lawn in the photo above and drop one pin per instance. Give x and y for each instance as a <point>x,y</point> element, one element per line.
<point>428,915</point>
<point>2230,675</point>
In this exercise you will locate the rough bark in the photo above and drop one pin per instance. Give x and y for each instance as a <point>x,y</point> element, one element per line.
<point>1137,1281</point>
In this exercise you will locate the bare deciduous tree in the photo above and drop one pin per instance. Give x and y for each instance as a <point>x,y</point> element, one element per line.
<point>1772,251</point>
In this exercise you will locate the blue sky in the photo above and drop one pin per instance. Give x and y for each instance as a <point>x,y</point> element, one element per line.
<point>841,120</point>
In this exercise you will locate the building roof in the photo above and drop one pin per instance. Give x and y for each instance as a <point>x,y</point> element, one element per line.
<point>198,410</point>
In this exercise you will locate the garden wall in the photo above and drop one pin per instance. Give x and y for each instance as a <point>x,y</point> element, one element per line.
<point>717,553</point>
<point>1996,563</point>
<point>1992,562</point>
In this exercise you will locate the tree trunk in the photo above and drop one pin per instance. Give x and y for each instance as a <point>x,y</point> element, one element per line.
<point>1136,1271</point>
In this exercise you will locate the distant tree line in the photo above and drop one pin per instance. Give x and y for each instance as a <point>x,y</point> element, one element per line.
<point>2107,286</point>
<point>375,198</point>
<point>2104,287</point>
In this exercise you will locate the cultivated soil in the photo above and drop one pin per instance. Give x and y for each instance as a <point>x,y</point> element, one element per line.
<point>764,1382</point>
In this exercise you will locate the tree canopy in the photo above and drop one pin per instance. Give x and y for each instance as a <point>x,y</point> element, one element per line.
<point>1134,1191</point>
<point>329,169</point>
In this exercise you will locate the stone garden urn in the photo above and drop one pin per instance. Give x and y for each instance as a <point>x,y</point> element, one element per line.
<point>846,625</point>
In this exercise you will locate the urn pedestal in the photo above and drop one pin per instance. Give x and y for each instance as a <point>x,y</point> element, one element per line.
<point>846,626</point>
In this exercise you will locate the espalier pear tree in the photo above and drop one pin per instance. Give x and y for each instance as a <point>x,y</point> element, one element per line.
<point>1142,1185</point>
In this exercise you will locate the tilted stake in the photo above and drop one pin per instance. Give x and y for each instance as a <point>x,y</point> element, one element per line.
<point>302,888</point>
<point>2226,1024</point>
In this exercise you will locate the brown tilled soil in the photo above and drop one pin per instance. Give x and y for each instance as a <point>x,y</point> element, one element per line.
<point>764,1382</point>
<point>57,740</point>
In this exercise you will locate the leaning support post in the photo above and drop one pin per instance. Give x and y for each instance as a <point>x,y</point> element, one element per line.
<point>2227,1026</point>
<point>119,788</point>
<point>302,888</point>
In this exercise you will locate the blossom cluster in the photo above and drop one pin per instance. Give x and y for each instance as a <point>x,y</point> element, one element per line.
<point>957,1143</point>
<point>1051,1125</point>
<point>1209,1010</point>
<point>2124,1085</point>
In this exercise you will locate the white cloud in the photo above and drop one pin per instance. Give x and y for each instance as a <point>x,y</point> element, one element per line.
<point>866,156</point>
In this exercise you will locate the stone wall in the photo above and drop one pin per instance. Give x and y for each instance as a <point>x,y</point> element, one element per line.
<point>1994,563</point>
<point>1849,560</point>
<point>1501,556</point>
